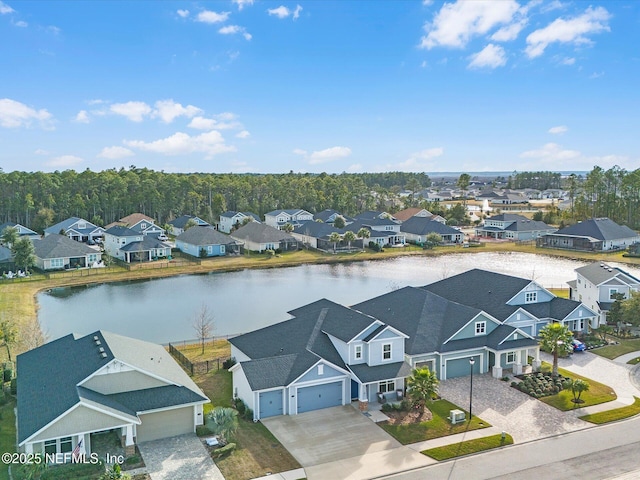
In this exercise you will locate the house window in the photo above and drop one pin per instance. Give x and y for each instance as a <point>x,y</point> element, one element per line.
<point>65,444</point>
<point>387,386</point>
<point>222,248</point>
<point>530,297</point>
<point>481,328</point>
<point>612,292</point>
<point>210,249</point>
<point>358,352</point>
<point>50,446</point>
<point>57,263</point>
<point>143,225</point>
<point>511,357</point>
<point>386,351</point>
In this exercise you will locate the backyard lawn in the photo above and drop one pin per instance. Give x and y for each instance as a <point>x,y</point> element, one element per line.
<point>597,393</point>
<point>257,452</point>
<point>212,349</point>
<point>438,426</point>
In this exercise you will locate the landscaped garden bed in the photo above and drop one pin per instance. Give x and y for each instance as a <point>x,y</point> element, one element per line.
<point>538,385</point>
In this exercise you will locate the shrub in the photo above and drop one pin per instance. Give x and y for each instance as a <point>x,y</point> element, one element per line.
<point>240,406</point>
<point>8,373</point>
<point>14,386</point>
<point>375,247</point>
<point>505,379</point>
<point>387,407</point>
<point>203,431</point>
<point>514,384</point>
<point>228,363</point>
<point>220,452</point>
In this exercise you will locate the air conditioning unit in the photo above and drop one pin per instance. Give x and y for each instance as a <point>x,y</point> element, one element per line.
<point>457,416</point>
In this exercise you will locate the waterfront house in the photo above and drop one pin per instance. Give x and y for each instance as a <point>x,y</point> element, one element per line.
<point>232,219</point>
<point>57,252</point>
<point>133,246</point>
<point>77,229</point>
<point>258,237</point>
<point>407,213</point>
<point>595,234</point>
<point>102,382</point>
<point>140,223</point>
<point>416,230</point>
<point>279,218</point>
<point>206,242</point>
<point>177,224</point>
<point>512,226</point>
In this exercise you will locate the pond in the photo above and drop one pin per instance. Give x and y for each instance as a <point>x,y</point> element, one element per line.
<point>164,310</point>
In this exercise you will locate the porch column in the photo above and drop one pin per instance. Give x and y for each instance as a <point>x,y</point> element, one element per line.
<point>129,446</point>
<point>496,371</point>
<point>363,397</point>
<point>536,362</point>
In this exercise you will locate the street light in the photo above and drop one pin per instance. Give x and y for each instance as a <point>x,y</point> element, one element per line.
<point>471,363</point>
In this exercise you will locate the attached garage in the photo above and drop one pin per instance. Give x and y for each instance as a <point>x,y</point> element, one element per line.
<point>168,423</point>
<point>460,367</point>
<point>319,396</point>
<point>270,403</point>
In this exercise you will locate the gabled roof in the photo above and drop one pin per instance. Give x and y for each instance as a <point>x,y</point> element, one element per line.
<point>147,243</point>
<point>428,319</point>
<point>407,213</point>
<point>5,254</point>
<point>600,229</point>
<point>60,246</point>
<point>371,214</point>
<point>204,236</point>
<point>318,229</point>
<point>182,220</point>
<point>261,233</point>
<point>135,218</point>
<point>289,211</point>
<point>507,217</point>
<point>66,224</point>
<point>121,231</point>
<point>233,213</point>
<point>75,360</point>
<point>599,272</point>
<point>22,230</point>
<point>326,214</point>
<point>424,226</point>
<point>528,225</point>
<point>367,374</point>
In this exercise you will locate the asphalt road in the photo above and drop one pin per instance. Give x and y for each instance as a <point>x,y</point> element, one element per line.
<point>598,453</point>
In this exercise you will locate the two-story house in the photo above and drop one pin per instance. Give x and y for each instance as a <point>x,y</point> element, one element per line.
<point>133,246</point>
<point>328,354</point>
<point>233,220</point>
<point>597,284</point>
<point>513,227</point>
<point>279,218</point>
<point>140,223</point>
<point>177,225</point>
<point>383,231</point>
<point>77,229</point>
<point>21,229</point>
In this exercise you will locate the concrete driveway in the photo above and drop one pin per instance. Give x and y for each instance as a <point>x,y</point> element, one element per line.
<point>179,458</point>
<point>340,442</point>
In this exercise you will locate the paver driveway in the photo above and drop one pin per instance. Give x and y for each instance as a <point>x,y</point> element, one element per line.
<point>179,458</point>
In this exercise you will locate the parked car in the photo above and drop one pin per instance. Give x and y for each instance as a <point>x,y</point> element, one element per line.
<point>162,237</point>
<point>578,346</point>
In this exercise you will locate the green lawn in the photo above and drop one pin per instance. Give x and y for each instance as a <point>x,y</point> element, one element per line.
<point>257,451</point>
<point>615,414</point>
<point>468,447</point>
<point>7,433</point>
<point>438,426</point>
<point>597,393</point>
<point>614,351</point>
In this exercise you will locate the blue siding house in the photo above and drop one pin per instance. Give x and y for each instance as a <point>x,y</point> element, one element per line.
<point>205,242</point>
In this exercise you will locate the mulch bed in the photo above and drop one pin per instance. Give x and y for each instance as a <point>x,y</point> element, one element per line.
<point>408,417</point>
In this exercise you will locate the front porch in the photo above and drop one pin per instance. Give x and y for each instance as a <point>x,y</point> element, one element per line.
<point>515,361</point>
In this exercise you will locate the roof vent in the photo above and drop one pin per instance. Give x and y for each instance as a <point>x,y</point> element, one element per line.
<point>610,269</point>
<point>101,349</point>
<point>103,355</point>
<point>98,342</point>
<point>95,337</point>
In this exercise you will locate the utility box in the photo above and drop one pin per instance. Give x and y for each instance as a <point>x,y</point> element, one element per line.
<point>457,416</point>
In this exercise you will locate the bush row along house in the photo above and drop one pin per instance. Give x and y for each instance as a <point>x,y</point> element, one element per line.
<point>328,354</point>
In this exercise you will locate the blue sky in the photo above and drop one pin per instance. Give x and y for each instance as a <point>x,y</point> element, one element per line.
<point>355,86</point>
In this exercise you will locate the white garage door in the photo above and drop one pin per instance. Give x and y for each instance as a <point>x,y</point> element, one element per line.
<point>165,424</point>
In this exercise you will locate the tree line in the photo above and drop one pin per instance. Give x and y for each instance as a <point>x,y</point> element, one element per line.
<point>38,199</point>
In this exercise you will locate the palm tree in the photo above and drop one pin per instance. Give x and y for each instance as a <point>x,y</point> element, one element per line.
<point>349,237</point>
<point>287,227</point>
<point>422,386</point>
<point>9,236</point>
<point>335,237</point>
<point>223,422</point>
<point>556,338</point>
<point>577,387</point>
<point>363,233</point>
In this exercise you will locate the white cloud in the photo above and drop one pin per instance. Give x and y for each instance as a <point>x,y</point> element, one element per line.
<point>208,16</point>
<point>509,32</point>
<point>233,29</point>
<point>559,130</point>
<point>114,153</point>
<point>134,111</point>
<point>21,24</point>
<point>324,156</point>
<point>210,143</point>
<point>284,12</point>
<point>596,75</point>
<point>53,29</point>
<point>554,5</point>
<point>4,8</point>
<point>241,3</point>
<point>426,3</point>
<point>40,151</point>
<point>243,134</point>
<point>201,123</point>
<point>456,23</point>
<point>227,123</point>
<point>573,30</point>
<point>568,61</point>
<point>65,161</point>
<point>491,56</point>
<point>168,110</point>
<point>183,13</point>
<point>551,152</point>
<point>96,101</point>
<point>82,117</point>
<point>15,114</point>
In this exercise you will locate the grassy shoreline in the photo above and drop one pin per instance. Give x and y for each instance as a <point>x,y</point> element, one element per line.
<point>18,303</point>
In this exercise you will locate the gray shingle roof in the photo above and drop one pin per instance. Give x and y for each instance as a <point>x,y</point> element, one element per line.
<point>261,233</point>
<point>600,272</point>
<point>147,243</point>
<point>21,228</point>
<point>157,397</point>
<point>121,231</point>
<point>424,226</point>
<point>60,246</point>
<point>5,254</point>
<point>65,224</point>
<point>318,229</point>
<point>182,220</point>
<point>204,236</point>
<point>599,228</point>
<point>367,374</point>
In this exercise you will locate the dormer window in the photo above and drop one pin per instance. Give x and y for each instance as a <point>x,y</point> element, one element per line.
<point>530,297</point>
<point>481,328</point>
<point>358,352</point>
<point>143,225</point>
<point>386,351</point>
